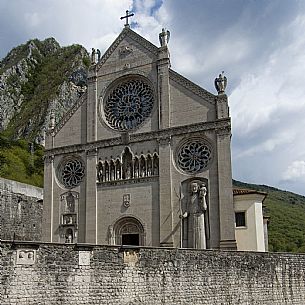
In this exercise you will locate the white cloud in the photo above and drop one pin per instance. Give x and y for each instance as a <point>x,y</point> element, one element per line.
<point>272,144</point>
<point>295,171</point>
<point>32,19</point>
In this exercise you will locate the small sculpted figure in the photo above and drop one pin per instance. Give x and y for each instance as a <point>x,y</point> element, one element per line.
<point>164,37</point>
<point>194,188</point>
<point>202,197</point>
<point>220,83</point>
<point>70,202</point>
<point>98,52</point>
<point>93,56</point>
<point>100,171</point>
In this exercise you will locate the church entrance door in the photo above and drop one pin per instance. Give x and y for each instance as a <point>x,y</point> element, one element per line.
<point>129,231</point>
<point>131,239</point>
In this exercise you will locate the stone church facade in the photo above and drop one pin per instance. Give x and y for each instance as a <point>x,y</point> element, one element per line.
<point>143,158</point>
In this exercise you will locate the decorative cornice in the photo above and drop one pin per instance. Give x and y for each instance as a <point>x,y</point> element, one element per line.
<point>91,151</point>
<point>186,83</point>
<point>224,131</point>
<point>68,115</point>
<point>134,36</point>
<point>218,126</point>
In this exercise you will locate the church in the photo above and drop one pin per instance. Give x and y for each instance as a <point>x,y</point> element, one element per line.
<point>144,159</point>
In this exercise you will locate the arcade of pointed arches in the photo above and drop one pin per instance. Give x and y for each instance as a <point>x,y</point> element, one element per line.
<point>129,166</point>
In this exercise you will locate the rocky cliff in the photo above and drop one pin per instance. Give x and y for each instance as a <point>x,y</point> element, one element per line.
<point>36,78</point>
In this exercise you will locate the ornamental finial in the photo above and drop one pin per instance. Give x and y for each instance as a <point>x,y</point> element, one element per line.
<point>220,83</point>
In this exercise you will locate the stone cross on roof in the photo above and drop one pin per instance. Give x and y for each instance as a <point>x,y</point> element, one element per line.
<point>127,15</point>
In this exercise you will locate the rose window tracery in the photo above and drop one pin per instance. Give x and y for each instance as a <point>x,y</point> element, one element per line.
<point>129,104</point>
<point>72,172</point>
<point>194,156</point>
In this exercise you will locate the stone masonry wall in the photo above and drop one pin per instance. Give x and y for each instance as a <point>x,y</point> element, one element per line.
<point>70,274</point>
<point>20,211</point>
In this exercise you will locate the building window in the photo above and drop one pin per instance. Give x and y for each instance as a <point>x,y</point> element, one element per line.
<point>194,155</point>
<point>240,219</point>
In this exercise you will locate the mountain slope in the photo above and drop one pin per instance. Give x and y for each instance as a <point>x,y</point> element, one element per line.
<point>35,78</point>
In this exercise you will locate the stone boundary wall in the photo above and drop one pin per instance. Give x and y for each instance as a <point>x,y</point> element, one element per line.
<point>20,210</point>
<point>83,274</point>
<point>21,188</point>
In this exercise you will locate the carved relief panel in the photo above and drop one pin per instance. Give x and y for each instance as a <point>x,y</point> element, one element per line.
<point>69,204</point>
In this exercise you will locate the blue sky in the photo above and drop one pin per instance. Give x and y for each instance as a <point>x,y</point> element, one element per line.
<point>260,44</point>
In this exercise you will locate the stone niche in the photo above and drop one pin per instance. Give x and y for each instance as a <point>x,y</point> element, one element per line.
<point>69,204</point>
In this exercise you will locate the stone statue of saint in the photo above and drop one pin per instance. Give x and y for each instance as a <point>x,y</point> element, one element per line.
<point>70,202</point>
<point>164,37</point>
<point>220,83</point>
<point>197,211</point>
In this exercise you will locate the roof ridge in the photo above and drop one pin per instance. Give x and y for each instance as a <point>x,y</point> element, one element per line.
<point>188,84</point>
<point>132,34</point>
<point>68,114</point>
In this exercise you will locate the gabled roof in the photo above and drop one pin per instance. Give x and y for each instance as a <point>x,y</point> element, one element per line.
<point>127,32</point>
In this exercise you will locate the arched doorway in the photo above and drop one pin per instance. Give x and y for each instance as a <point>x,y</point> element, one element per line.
<point>129,231</point>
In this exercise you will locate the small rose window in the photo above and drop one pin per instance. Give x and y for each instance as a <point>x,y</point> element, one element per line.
<point>72,172</point>
<point>194,156</point>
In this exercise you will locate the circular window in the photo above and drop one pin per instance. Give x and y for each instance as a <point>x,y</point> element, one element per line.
<point>194,156</point>
<point>128,104</point>
<point>72,172</point>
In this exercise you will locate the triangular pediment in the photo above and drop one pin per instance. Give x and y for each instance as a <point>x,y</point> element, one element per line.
<point>128,34</point>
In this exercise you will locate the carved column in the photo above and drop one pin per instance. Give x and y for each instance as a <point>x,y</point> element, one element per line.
<point>165,193</point>
<point>226,207</point>
<point>91,197</point>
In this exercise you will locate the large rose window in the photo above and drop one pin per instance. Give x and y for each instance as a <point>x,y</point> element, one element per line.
<point>72,172</point>
<point>194,156</point>
<point>128,104</point>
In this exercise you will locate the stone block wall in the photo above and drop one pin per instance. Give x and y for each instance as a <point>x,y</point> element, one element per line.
<point>20,211</point>
<point>68,274</point>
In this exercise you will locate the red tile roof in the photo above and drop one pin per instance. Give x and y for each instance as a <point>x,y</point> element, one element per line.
<point>237,191</point>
